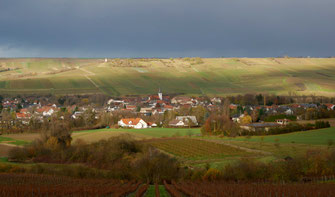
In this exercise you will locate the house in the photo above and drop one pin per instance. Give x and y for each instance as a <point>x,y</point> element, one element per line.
<point>283,121</point>
<point>177,123</point>
<point>152,124</point>
<point>168,107</point>
<point>216,100</point>
<point>46,110</point>
<point>77,114</point>
<point>147,111</point>
<point>184,121</point>
<point>330,106</point>
<point>237,118</point>
<point>24,111</point>
<point>187,119</point>
<point>233,106</point>
<point>113,101</point>
<point>260,126</point>
<point>137,123</point>
<point>182,100</point>
<point>131,107</point>
<point>285,110</point>
<point>23,117</point>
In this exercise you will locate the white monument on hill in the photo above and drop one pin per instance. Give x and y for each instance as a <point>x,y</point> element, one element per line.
<point>106,60</point>
<point>160,94</point>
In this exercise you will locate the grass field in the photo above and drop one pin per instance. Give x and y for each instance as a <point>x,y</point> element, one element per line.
<point>312,137</point>
<point>212,76</point>
<point>96,135</point>
<point>8,140</point>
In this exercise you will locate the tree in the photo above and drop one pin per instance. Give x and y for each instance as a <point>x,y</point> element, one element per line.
<point>255,115</point>
<point>246,119</point>
<point>58,132</point>
<point>226,107</point>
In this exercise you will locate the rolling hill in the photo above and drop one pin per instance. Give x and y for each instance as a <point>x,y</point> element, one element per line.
<point>193,76</point>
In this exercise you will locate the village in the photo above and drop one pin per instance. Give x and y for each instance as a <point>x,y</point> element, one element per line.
<point>160,111</point>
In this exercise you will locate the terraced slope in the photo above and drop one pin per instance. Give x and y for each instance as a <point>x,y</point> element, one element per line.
<point>194,76</point>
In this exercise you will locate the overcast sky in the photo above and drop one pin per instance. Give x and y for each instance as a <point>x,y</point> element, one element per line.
<point>167,28</point>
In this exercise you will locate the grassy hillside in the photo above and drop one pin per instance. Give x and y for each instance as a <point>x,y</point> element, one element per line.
<point>215,76</point>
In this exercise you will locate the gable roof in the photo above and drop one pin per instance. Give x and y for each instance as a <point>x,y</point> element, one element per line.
<point>22,115</point>
<point>131,121</point>
<point>45,109</point>
<point>24,110</point>
<point>174,122</point>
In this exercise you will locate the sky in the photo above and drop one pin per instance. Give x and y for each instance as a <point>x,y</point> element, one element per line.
<point>167,28</point>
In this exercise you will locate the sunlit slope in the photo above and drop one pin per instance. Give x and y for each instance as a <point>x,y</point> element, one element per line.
<point>219,76</point>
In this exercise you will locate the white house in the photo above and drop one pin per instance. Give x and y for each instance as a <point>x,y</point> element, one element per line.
<point>46,110</point>
<point>283,121</point>
<point>184,121</point>
<point>137,123</point>
<point>187,118</point>
<point>177,123</point>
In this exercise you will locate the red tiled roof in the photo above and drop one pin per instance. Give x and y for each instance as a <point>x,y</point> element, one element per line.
<point>21,115</point>
<point>45,109</point>
<point>24,110</point>
<point>233,106</point>
<point>329,105</point>
<point>168,106</point>
<point>131,121</point>
<point>131,107</point>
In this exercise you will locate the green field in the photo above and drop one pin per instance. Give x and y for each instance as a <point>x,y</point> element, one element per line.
<point>211,76</point>
<point>312,137</point>
<point>7,140</point>
<point>96,135</point>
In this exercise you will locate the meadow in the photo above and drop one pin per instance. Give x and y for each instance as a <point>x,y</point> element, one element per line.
<point>311,137</point>
<point>192,76</point>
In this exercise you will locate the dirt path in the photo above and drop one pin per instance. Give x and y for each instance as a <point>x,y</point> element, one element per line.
<point>96,85</point>
<point>238,147</point>
<point>10,145</point>
<point>88,72</point>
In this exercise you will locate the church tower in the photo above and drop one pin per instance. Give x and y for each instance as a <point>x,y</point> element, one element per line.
<point>160,94</point>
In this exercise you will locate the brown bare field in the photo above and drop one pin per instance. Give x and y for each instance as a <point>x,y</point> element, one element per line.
<point>4,149</point>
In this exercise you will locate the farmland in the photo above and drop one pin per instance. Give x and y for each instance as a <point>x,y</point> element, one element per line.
<point>193,76</point>
<point>312,137</point>
<point>46,185</point>
<point>195,149</point>
<point>201,150</point>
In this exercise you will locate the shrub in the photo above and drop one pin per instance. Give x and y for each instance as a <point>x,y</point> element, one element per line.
<point>212,174</point>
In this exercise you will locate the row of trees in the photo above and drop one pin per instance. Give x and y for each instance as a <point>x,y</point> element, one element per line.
<point>315,163</point>
<point>261,99</point>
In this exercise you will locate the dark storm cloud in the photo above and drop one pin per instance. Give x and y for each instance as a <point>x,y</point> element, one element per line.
<point>166,28</point>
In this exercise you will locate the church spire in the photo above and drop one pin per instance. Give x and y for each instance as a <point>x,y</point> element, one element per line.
<point>160,94</point>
